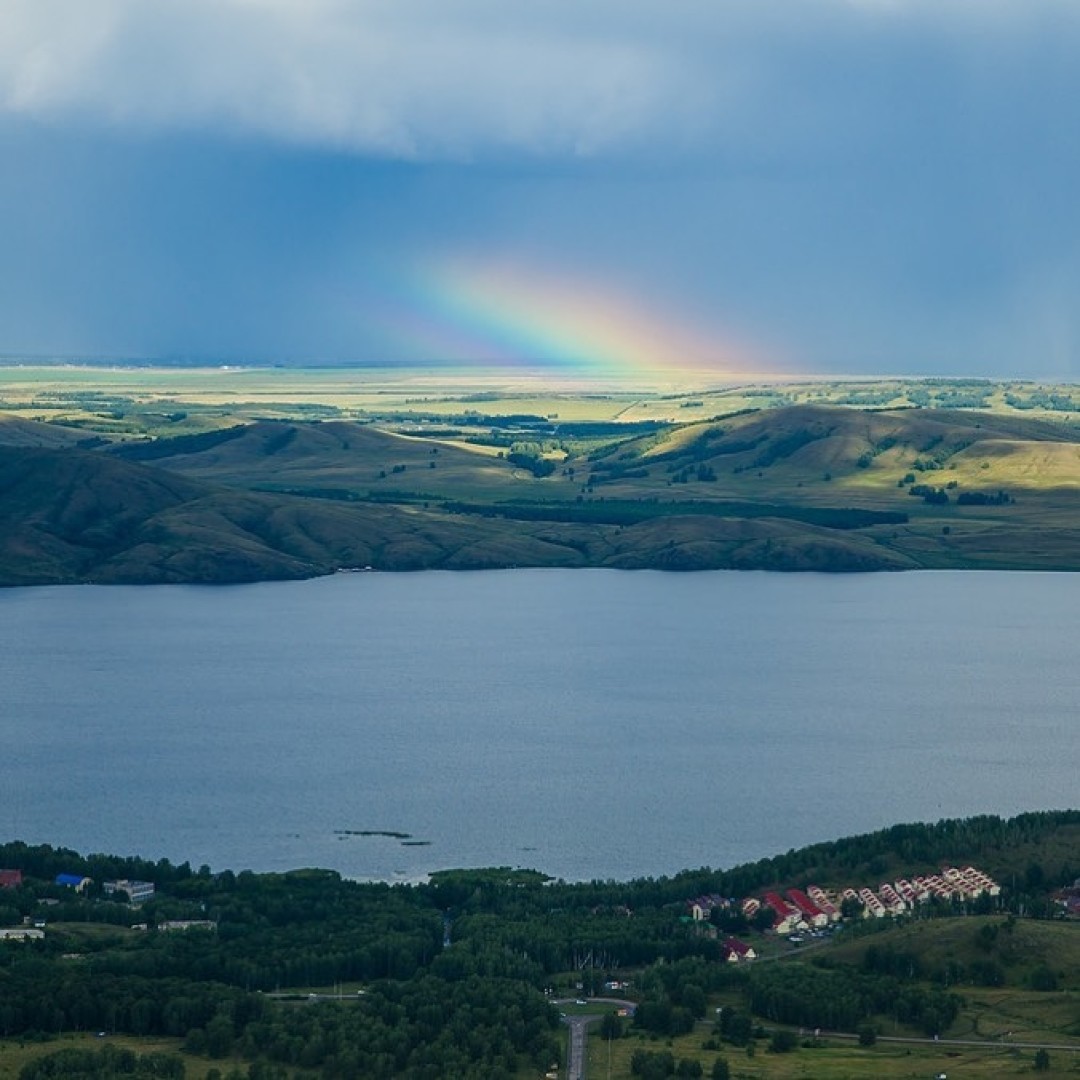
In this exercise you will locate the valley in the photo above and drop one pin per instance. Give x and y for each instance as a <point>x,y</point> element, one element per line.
<point>136,475</point>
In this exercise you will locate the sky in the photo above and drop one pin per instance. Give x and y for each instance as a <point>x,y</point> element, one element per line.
<point>861,187</point>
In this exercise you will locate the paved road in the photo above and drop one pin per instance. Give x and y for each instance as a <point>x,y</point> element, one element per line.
<point>579,1028</point>
<point>297,995</point>
<point>981,1043</point>
<point>575,1054</point>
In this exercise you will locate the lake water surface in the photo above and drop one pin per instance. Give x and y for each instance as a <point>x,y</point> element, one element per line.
<point>588,723</point>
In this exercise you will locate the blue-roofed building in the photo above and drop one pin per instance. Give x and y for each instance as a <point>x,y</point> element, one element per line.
<point>73,881</point>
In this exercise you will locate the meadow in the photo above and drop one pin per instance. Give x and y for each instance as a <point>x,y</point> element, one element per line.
<point>452,468</point>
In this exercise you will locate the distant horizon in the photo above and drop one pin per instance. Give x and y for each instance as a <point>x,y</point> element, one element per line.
<point>539,372</point>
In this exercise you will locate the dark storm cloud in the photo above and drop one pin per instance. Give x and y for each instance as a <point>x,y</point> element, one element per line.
<point>866,186</point>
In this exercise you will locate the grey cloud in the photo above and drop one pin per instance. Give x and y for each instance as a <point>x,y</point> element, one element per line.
<point>409,79</point>
<point>871,184</point>
<point>431,79</point>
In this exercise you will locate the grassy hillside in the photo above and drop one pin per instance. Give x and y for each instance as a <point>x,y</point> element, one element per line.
<point>335,459</point>
<point>802,486</point>
<point>72,516</point>
<point>76,516</point>
<point>16,431</point>
<point>813,455</point>
<point>961,489</point>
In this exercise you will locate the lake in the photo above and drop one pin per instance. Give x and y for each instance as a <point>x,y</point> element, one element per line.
<point>587,723</point>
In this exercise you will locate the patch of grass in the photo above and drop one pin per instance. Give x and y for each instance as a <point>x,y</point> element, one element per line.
<point>1018,947</point>
<point>834,1060</point>
<point>15,1053</point>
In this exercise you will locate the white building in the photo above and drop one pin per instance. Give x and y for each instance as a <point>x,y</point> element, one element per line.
<point>138,891</point>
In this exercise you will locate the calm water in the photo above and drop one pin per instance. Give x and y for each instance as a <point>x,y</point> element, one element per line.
<point>587,723</point>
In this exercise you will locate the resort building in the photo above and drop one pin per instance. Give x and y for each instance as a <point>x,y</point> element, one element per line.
<point>138,892</point>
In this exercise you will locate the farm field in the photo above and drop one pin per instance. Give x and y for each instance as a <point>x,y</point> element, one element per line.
<point>409,469</point>
<point>82,392</point>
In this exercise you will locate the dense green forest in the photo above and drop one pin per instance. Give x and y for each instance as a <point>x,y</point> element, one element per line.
<point>456,976</point>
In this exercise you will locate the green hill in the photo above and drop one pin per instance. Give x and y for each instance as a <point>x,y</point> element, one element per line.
<point>16,431</point>
<point>75,516</point>
<point>337,459</point>
<point>800,487</point>
<point>808,455</point>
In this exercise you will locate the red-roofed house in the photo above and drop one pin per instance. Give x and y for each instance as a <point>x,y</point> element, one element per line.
<point>736,951</point>
<point>807,908</point>
<point>787,916</point>
<point>823,903</point>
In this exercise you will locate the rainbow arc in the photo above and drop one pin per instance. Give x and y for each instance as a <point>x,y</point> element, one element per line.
<point>503,315</point>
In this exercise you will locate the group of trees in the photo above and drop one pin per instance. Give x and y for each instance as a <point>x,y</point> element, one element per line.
<point>660,1064</point>
<point>674,995</point>
<point>536,464</point>
<point>843,1000</point>
<point>476,1007</point>
<point>424,1028</point>
<point>984,498</point>
<point>1041,399</point>
<point>108,1063</point>
<point>473,1011</point>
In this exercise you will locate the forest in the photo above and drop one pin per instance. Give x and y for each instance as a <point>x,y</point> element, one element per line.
<point>307,973</point>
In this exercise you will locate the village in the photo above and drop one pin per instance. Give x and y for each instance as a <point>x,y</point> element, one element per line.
<point>813,911</point>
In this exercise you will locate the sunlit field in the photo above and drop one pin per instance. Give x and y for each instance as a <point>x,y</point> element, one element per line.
<point>944,473</point>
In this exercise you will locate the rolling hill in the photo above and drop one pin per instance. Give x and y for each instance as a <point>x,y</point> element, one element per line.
<point>812,454</point>
<point>803,487</point>
<point>75,516</point>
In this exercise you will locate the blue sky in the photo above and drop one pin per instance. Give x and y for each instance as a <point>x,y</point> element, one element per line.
<point>824,186</point>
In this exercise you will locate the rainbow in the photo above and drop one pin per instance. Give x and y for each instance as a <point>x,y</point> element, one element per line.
<point>503,314</point>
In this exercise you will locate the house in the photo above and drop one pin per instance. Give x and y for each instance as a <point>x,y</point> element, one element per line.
<point>824,904</point>
<point>10,879</point>
<point>1069,899</point>
<point>702,907</point>
<point>892,899</point>
<point>74,881</point>
<point>907,892</point>
<point>737,952</point>
<point>786,917</point>
<point>921,888</point>
<point>872,904</point>
<point>976,881</point>
<point>809,910</point>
